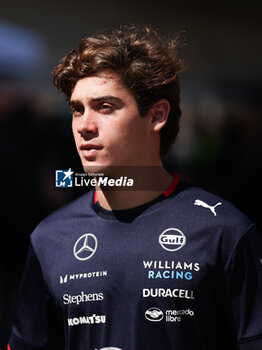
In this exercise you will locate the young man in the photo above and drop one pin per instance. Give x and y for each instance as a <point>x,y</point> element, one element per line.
<point>160,266</point>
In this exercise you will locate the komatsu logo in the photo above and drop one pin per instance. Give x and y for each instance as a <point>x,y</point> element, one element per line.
<point>172,239</point>
<point>86,320</point>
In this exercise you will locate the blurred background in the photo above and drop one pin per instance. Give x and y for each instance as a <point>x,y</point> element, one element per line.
<point>220,143</point>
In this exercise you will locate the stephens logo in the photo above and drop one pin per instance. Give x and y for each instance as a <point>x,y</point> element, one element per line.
<point>82,298</point>
<point>172,239</point>
<point>85,247</point>
<point>154,314</point>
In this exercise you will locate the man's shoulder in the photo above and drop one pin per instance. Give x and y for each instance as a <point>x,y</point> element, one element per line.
<point>64,216</point>
<point>210,208</point>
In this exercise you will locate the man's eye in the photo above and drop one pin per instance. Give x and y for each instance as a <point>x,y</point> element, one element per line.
<point>77,111</point>
<point>106,108</point>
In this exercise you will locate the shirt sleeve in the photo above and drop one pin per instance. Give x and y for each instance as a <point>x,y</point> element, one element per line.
<point>36,323</point>
<point>244,285</point>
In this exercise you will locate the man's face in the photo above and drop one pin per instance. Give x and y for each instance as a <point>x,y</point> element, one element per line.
<point>107,126</point>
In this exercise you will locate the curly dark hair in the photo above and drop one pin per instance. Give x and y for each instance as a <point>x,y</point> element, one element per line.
<point>148,64</point>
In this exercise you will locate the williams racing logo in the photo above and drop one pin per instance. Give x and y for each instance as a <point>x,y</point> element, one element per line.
<point>172,239</point>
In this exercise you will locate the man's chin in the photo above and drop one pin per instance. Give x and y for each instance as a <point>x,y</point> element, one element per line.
<point>105,170</point>
<point>95,169</point>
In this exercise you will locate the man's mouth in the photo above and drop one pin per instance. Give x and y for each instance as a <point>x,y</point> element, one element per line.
<point>89,150</point>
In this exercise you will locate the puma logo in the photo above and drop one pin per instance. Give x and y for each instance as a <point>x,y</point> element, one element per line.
<point>205,205</point>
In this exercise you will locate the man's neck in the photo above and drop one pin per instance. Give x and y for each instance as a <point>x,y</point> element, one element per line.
<point>148,184</point>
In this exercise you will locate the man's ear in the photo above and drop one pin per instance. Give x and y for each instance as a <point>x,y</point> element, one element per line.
<point>159,114</point>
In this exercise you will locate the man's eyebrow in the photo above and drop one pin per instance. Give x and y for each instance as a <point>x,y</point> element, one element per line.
<point>98,99</point>
<point>106,98</point>
<point>73,102</point>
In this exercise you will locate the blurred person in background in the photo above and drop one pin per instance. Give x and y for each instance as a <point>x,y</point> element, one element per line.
<point>159,265</point>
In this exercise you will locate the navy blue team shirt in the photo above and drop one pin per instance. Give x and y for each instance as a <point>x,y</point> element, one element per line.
<point>182,272</point>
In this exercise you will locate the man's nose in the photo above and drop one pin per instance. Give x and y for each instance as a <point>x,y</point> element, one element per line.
<point>87,124</point>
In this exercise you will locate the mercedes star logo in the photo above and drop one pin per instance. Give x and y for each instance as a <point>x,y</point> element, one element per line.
<point>85,247</point>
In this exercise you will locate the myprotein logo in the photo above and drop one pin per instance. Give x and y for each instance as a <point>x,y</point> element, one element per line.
<point>63,279</point>
<point>154,314</point>
<point>85,247</point>
<point>78,276</point>
<point>172,239</point>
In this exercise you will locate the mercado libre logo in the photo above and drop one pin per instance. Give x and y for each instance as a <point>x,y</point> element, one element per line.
<point>64,178</point>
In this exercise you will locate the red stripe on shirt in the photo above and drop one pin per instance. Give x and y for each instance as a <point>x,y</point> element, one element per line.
<point>173,185</point>
<point>95,197</point>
